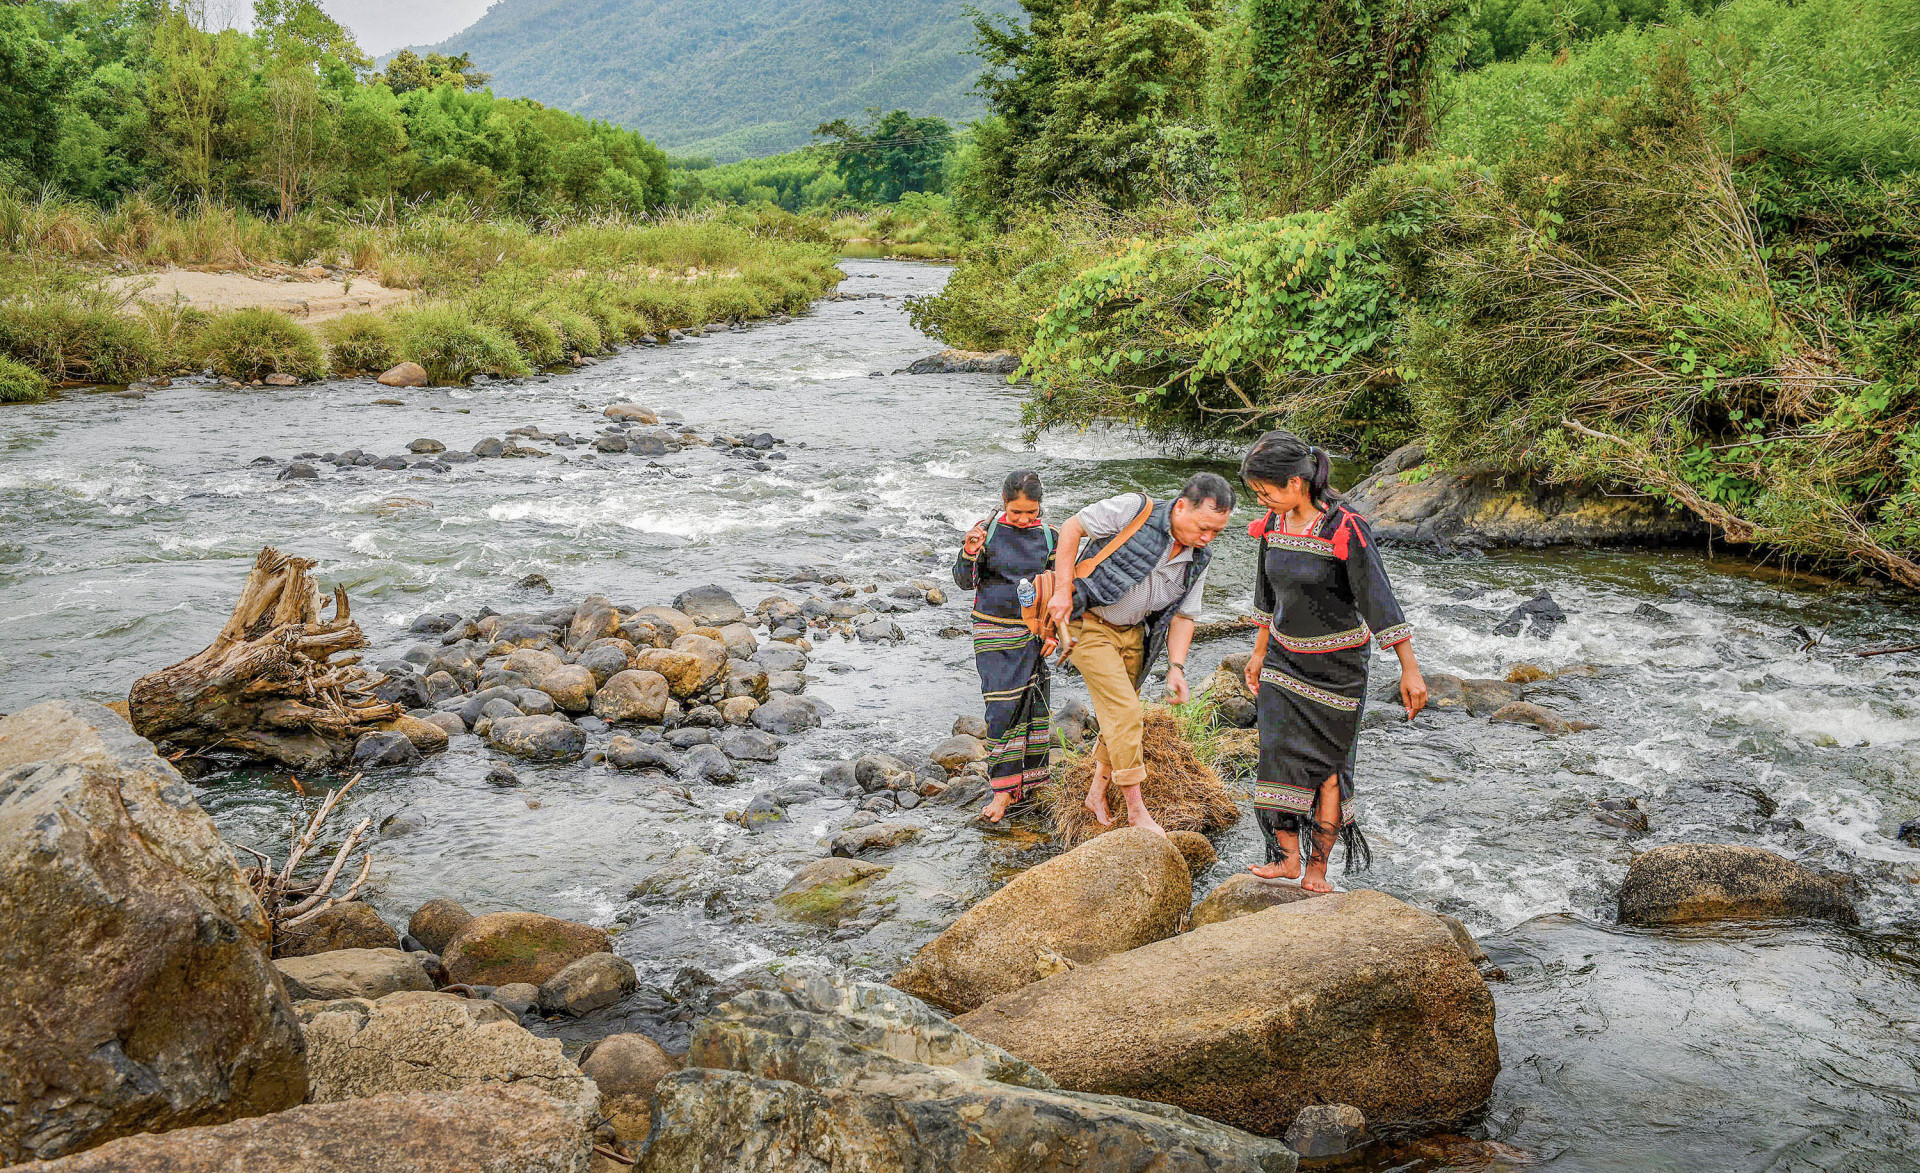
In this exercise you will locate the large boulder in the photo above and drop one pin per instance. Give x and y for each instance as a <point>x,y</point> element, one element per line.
<point>828,890</point>
<point>627,1068</point>
<point>1352,998</point>
<point>1119,891</point>
<point>135,988</point>
<point>352,924</point>
<point>594,619</point>
<point>414,1043</point>
<point>1686,882</point>
<point>966,362</point>
<point>594,982</point>
<point>504,947</point>
<point>1486,509</point>
<point>571,686</point>
<point>354,973</point>
<point>776,1079</point>
<point>689,666</point>
<point>491,1129</point>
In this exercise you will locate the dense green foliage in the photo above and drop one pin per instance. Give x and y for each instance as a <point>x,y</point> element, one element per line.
<point>750,77</point>
<point>1679,257</point>
<point>103,97</point>
<point>889,155</point>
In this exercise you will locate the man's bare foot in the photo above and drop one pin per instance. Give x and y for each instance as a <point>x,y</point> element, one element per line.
<point>1289,870</point>
<point>1145,822</point>
<point>1316,878</point>
<point>1097,799</point>
<point>998,806</point>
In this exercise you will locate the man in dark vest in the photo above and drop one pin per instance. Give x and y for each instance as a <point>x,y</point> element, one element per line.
<point>1119,614</point>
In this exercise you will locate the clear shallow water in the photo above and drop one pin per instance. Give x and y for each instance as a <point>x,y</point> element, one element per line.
<point>130,525</point>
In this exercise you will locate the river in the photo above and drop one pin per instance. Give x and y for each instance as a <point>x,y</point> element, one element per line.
<point>130,525</point>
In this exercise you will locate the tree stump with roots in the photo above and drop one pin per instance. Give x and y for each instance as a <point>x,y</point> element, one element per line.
<point>268,687</point>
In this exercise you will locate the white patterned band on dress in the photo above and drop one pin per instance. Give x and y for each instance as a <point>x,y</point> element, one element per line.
<point>1332,700</point>
<point>1300,544</point>
<point>1280,796</point>
<point>1338,641</point>
<point>1399,633</point>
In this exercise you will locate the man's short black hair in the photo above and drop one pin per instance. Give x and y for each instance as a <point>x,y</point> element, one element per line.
<point>1208,488</point>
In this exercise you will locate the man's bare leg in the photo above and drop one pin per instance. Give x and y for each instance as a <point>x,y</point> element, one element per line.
<point>1137,815</point>
<point>1287,869</point>
<point>1097,793</point>
<point>1327,811</point>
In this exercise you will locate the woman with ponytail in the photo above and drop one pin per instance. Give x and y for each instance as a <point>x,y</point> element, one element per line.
<point>999,562</point>
<point>1323,596</point>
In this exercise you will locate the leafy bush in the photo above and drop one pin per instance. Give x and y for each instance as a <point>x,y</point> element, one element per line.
<point>453,348</point>
<point>251,344</point>
<point>580,332</point>
<point>362,344</point>
<point>20,383</point>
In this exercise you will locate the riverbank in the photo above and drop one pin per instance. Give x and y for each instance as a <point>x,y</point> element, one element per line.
<point>134,521</point>
<point>454,295</point>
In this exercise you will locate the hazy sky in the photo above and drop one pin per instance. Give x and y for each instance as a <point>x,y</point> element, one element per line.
<point>381,25</point>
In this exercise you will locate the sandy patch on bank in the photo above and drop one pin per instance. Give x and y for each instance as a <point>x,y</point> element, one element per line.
<point>304,294</point>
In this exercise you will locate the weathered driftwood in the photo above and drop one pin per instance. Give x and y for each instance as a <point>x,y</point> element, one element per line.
<point>290,902</point>
<point>268,686</point>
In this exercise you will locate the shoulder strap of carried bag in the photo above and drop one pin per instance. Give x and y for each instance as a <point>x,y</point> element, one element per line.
<point>1084,568</point>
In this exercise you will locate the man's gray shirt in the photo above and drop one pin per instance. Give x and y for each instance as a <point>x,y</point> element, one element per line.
<point>1161,587</point>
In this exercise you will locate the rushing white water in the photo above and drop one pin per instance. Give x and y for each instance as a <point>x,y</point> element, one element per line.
<point>129,526</point>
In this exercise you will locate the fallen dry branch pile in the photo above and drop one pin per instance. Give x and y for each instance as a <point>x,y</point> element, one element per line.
<point>290,902</point>
<point>268,686</point>
<point>1181,791</point>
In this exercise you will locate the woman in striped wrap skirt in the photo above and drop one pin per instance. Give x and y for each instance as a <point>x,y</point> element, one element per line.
<point>998,556</point>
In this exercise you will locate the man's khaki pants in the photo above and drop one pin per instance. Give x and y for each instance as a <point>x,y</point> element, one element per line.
<point>1108,657</point>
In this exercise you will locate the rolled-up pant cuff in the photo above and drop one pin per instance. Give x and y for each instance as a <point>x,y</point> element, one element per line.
<point>1133,777</point>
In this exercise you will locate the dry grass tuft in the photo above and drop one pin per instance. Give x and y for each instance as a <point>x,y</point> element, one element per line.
<point>1181,791</point>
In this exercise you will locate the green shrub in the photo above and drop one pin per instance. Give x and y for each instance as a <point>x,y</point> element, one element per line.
<point>727,301</point>
<point>453,348</point>
<point>581,333</point>
<point>20,383</point>
<point>68,342</point>
<point>538,340</point>
<point>661,306</point>
<point>362,344</point>
<point>251,344</point>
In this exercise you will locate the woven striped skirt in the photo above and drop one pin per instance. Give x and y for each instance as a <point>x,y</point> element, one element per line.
<point>1013,683</point>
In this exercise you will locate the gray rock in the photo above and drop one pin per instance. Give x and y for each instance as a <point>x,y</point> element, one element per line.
<point>437,922</point>
<point>970,726</point>
<point>426,447</point>
<point>603,662</point>
<point>707,763</point>
<point>542,739</point>
<point>299,471</point>
<point>594,982</point>
<point>624,753</point>
<point>1540,615</point>
<point>517,997</point>
<point>490,446</point>
<point>877,629</point>
<point>761,810</point>
<point>872,837</point>
<point>791,683</point>
<point>880,771</point>
<point>534,703</point>
<point>375,751</point>
<point>688,736</point>
<point>780,658</point>
<point>966,362</point>
<point>501,774</point>
<point>709,606</point>
<point>748,745</point>
<point>784,713</point>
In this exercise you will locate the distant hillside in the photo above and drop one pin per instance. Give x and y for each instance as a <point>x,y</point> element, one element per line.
<point>730,78</point>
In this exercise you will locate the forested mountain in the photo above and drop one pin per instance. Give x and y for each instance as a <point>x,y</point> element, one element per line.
<point>734,78</point>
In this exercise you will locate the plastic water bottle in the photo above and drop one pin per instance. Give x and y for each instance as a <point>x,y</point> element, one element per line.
<point>1027,593</point>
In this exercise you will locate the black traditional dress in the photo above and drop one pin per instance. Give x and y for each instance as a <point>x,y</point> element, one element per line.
<point>1013,670</point>
<point>1325,598</point>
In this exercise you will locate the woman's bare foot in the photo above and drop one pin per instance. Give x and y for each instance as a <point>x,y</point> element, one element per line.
<point>1097,798</point>
<point>1289,870</point>
<point>1137,813</point>
<point>1316,878</point>
<point>998,807</point>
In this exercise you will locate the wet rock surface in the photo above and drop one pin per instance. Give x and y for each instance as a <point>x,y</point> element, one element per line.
<point>1348,998</point>
<point>1685,883</point>
<point>777,1076</point>
<point>148,1000</point>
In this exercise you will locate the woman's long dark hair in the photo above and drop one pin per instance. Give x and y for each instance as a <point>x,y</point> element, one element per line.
<point>1278,457</point>
<point>1021,482</point>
